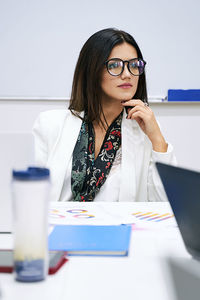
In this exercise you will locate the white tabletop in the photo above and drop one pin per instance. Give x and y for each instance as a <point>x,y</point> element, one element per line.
<point>141,275</point>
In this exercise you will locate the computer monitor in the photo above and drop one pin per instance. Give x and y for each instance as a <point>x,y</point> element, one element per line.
<point>182,187</point>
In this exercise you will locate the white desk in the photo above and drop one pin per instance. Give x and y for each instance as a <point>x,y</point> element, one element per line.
<point>141,275</point>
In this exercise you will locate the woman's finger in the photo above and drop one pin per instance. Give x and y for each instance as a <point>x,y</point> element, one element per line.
<point>133,102</point>
<point>136,108</point>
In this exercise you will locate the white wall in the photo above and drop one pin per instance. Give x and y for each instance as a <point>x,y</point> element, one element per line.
<point>41,39</point>
<point>180,123</point>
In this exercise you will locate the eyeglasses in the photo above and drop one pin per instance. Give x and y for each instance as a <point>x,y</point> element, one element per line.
<point>115,66</point>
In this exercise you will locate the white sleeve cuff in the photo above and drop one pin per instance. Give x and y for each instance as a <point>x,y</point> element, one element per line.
<point>165,157</point>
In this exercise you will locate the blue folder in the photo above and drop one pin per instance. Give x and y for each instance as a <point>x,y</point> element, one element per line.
<point>98,240</point>
<point>183,95</point>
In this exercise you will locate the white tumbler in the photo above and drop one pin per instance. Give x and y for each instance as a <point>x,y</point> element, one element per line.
<point>30,189</point>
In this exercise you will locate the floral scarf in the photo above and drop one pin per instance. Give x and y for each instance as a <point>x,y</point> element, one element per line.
<point>88,173</point>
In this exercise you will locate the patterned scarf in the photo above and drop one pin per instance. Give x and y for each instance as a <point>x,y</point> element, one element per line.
<point>88,173</point>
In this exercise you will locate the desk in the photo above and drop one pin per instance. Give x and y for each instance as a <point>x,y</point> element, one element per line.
<point>141,275</point>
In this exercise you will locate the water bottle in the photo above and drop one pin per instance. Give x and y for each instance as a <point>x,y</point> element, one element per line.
<point>30,193</point>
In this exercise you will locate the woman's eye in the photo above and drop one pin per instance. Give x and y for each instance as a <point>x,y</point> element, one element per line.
<point>133,65</point>
<point>113,65</point>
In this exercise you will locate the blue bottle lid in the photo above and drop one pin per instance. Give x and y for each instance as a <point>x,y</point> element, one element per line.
<point>32,173</point>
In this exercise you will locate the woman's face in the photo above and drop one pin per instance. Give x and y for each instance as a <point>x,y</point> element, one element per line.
<point>124,86</point>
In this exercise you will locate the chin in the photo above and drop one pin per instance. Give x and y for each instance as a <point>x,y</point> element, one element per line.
<point>127,96</point>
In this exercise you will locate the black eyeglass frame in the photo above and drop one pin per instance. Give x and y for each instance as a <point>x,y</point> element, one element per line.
<point>125,61</point>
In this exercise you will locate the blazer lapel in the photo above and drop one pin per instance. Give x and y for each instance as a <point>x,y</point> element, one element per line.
<point>62,153</point>
<point>131,137</point>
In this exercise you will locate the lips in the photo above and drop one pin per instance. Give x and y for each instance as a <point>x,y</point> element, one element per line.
<point>125,85</point>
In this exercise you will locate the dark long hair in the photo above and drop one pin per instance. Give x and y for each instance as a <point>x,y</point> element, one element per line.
<point>86,86</point>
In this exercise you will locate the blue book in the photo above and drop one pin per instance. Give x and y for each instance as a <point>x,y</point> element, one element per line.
<point>184,95</point>
<point>99,240</point>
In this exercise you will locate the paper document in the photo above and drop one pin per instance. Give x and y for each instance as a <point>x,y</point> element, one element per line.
<point>145,214</point>
<point>73,213</point>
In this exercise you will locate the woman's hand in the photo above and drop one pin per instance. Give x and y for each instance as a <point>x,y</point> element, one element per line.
<point>145,118</point>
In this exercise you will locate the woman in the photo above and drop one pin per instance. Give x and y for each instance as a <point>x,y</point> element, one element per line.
<point>104,146</point>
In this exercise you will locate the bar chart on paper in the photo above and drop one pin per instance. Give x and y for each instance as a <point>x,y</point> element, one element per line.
<point>151,216</point>
<point>145,215</point>
<point>148,218</point>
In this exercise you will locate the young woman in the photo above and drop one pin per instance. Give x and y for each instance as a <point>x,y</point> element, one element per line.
<point>104,146</point>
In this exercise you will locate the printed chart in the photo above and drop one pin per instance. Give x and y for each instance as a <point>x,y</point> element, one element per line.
<point>142,215</point>
<point>153,219</point>
<point>151,216</point>
<point>81,214</point>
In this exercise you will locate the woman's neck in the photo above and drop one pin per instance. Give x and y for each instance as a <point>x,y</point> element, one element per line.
<point>110,111</point>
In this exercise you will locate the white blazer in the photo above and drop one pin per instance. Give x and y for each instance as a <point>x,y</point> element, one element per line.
<point>56,133</point>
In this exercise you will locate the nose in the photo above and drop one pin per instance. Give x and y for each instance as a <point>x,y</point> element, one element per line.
<point>126,72</point>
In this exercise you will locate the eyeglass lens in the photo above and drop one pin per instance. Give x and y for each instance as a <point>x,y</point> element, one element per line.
<point>135,66</point>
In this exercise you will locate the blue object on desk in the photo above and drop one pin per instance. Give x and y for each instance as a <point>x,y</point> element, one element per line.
<point>183,95</point>
<point>108,240</point>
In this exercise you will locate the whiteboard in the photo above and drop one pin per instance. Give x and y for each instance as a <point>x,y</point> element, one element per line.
<point>40,41</point>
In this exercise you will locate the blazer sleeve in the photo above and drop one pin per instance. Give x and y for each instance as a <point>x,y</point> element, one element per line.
<point>46,131</point>
<point>40,139</point>
<point>156,190</point>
